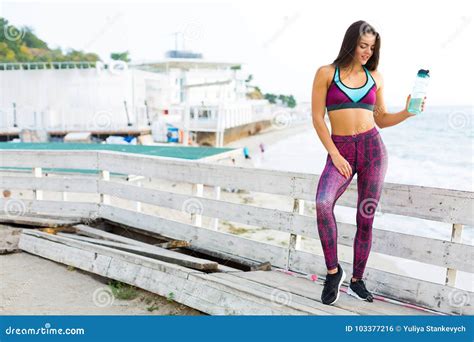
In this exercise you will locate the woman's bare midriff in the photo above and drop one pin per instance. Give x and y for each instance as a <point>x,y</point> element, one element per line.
<point>350,121</point>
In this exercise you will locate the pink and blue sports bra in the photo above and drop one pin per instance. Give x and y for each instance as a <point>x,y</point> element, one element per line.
<point>340,96</point>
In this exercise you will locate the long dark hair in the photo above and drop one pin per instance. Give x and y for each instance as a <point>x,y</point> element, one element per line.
<point>349,44</point>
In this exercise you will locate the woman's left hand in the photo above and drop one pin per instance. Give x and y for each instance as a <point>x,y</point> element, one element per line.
<point>408,101</point>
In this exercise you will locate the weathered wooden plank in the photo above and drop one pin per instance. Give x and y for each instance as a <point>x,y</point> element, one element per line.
<point>272,296</point>
<point>281,293</point>
<point>431,251</point>
<point>160,265</point>
<point>416,291</point>
<point>80,258</point>
<point>312,290</point>
<point>202,293</point>
<point>153,252</point>
<point>37,221</point>
<point>173,244</point>
<point>203,238</point>
<point>101,234</point>
<point>69,184</point>
<point>16,207</point>
<point>70,159</point>
<point>97,233</point>
<point>210,207</point>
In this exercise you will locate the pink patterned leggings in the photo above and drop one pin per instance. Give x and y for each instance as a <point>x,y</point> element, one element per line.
<point>367,155</point>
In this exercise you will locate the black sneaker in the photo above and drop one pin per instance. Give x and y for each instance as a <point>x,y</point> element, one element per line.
<point>358,290</point>
<point>332,284</point>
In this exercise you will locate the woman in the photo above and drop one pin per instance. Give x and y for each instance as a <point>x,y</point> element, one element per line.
<point>351,89</point>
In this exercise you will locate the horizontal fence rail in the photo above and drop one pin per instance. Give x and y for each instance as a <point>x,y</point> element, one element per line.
<point>442,205</point>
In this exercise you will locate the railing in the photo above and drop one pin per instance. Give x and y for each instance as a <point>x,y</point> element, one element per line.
<point>47,65</point>
<point>442,205</point>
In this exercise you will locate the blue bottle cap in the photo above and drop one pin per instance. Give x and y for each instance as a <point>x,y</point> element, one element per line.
<point>423,73</point>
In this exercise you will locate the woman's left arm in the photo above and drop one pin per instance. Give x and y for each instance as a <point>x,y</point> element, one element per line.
<point>381,117</point>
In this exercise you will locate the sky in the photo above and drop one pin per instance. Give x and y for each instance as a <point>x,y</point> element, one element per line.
<point>281,43</point>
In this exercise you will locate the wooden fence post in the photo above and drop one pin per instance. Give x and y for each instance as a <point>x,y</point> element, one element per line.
<point>38,194</point>
<point>104,175</point>
<point>295,240</point>
<point>451,273</point>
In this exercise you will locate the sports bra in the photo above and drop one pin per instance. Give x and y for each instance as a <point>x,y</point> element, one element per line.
<point>340,96</point>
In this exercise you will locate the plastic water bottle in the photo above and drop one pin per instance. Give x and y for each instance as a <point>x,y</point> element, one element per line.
<point>419,91</point>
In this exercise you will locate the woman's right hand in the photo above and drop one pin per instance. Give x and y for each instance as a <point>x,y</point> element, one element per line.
<point>342,165</point>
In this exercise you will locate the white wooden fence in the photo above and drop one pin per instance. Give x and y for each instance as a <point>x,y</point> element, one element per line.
<point>442,205</point>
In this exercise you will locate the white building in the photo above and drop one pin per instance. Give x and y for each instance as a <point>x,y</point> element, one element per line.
<point>212,94</point>
<point>193,94</point>
<point>82,97</point>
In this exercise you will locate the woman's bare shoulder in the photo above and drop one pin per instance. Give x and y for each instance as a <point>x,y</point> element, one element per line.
<point>378,78</point>
<point>327,69</point>
<point>326,73</point>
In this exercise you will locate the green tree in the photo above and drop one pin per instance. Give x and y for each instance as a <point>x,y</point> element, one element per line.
<point>120,56</point>
<point>20,44</point>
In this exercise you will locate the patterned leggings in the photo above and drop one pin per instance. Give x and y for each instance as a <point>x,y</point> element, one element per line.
<point>367,155</point>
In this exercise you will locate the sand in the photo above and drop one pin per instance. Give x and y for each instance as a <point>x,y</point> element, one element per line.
<point>31,285</point>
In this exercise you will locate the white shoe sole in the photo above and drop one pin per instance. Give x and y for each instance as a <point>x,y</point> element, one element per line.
<point>339,287</point>
<point>352,293</point>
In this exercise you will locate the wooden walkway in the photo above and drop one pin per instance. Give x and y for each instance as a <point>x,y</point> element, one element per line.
<point>216,289</point>
<point>224,292</point>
